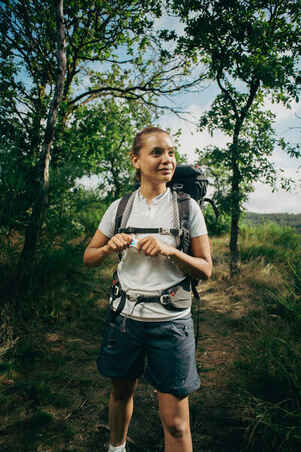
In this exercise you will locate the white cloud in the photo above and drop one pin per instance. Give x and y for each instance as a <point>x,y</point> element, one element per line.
<point>283,113</point>
<point>263,200</point>
<point>191,138</point>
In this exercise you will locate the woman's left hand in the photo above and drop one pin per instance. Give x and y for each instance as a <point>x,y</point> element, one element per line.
<point>151,246</point>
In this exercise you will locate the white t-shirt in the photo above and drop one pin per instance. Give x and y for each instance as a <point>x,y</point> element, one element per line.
<point>138,272</point>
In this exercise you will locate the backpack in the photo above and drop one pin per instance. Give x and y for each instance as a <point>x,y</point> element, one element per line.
<point>188,182</point>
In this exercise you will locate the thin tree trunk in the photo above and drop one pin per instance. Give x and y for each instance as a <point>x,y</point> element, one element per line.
<point>236,180</point>
<point>235,214</point>
<point>39,210</point>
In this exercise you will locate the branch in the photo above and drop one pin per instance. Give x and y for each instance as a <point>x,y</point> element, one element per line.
<point>145,88</point>
<point>253,90</point>
<point>227,94</point>
<point>22,120</point>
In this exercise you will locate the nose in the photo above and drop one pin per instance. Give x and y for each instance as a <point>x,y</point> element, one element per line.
<point>166,156</point>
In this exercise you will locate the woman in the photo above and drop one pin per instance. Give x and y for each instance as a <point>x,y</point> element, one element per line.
<point>150,331</point>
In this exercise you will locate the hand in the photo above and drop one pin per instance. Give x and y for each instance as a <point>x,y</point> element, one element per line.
<point>153,247</point>
<point>118,242</point>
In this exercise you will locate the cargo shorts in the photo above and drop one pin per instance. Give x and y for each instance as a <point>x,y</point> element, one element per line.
<point>164,352</point>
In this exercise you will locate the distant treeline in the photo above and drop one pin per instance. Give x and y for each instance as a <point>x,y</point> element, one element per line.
<point>282,219</point>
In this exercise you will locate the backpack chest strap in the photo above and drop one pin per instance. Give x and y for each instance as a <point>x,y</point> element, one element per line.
<point>164,231</point>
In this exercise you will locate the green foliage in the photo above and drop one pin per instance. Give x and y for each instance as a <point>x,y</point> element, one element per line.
<point>110,55</point>
<point>282,219</point>
<point>216,226</point>
<point>270,241</point>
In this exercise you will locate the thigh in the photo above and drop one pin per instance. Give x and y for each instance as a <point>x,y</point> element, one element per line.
<point>121,352</point>
<point>171,357</point>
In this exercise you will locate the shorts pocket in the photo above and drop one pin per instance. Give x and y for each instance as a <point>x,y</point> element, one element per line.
<point>111,335</point>
<point>182,328</point>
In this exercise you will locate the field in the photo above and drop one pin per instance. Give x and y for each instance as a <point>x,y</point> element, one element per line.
<point>249,355</point>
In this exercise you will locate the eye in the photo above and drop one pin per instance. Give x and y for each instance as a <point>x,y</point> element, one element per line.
<point>157,151</point>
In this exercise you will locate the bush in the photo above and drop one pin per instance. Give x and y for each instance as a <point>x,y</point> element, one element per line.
<point>216,225</point>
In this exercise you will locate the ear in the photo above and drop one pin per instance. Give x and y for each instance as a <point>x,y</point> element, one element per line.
<point>135,161</point>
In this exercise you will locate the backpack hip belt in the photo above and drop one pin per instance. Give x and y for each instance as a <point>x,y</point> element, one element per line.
<point>175,298</point>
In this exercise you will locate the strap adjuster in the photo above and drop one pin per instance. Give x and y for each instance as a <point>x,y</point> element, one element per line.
<point>116,290</point>
<point>164,231</point>
<point>165,299</point>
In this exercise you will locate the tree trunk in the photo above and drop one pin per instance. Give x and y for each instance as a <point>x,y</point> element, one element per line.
<point>40,206</point>
<point>235,215</point>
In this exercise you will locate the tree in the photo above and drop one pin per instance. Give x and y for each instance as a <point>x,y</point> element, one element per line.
<point>106,55</point>
<point>251,48</point>
<point>102,136</point>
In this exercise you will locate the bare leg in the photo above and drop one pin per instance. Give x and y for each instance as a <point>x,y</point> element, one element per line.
<point>174,415</point>
<point>120,409</point>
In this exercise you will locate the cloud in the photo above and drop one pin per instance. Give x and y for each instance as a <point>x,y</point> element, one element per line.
<point>263,200</point>
<point>283,113</point>
<point>191,138</point>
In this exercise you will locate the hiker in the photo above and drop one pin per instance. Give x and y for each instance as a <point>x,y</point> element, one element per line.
<point>149,322</point>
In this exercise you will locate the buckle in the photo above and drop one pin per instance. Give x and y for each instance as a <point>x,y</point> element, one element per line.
<point>133,298</point>
<point>165,299</point>
<point>164,231</point>
<point>116,291</point>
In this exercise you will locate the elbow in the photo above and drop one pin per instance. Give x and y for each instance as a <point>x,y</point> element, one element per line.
<point>206,272</point>
<point>86,261</point>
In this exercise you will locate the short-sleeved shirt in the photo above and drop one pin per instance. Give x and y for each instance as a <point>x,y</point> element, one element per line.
<point>151,274</point>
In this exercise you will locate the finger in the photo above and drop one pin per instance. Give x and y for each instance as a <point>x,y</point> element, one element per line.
<point>119,243</point>
<point>127,237</point>
<point>112,245</point>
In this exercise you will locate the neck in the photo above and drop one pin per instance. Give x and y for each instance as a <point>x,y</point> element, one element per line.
<point>149,191</point>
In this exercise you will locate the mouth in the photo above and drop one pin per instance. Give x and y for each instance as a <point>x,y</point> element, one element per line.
<point>166,170</point>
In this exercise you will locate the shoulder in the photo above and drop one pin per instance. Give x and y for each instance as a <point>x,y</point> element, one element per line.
<point>112,209</point>
<point>194,207</point>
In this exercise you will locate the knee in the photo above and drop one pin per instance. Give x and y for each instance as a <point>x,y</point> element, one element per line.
<point>176,427</point>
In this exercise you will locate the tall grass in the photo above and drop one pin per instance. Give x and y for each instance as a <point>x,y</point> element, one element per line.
<point>268,372</point>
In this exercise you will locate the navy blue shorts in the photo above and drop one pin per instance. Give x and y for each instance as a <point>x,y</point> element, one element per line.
<point>163,351</point>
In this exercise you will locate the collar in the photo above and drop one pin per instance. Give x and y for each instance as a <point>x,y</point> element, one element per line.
<point>157,199</point>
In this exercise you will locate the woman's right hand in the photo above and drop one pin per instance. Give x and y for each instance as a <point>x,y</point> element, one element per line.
<point>118,242</point>
<point>101,246</point>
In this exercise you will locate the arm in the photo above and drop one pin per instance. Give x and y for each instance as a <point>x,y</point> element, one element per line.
<point>102,246</point>
<point>199,265</point>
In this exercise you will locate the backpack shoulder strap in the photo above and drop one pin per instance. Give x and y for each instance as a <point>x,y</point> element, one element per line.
<point>181,218</point>
<point>184,208</point>
<point>123,211</point>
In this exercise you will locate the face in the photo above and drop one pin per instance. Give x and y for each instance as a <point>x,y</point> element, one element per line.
<point>156,159</point>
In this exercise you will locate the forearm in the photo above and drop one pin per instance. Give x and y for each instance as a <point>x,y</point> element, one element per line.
<point>94,256</point>
<point>196,267</point>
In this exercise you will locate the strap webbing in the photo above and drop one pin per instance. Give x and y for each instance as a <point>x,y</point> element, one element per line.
<point>120,210</point>
<point>164,231</point>
<point>196,304</point>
